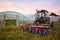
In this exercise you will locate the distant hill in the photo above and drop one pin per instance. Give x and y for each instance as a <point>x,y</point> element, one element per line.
<point>30,17</point>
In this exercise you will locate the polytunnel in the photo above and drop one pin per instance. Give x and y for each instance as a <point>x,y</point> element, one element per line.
<point>8,18</point>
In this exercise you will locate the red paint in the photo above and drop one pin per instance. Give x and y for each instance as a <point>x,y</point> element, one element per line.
<point>26,27</point>
<point>41,29</point>
<point>33,28</point>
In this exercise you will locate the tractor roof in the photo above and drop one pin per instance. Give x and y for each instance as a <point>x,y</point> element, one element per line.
<point>41,11</point>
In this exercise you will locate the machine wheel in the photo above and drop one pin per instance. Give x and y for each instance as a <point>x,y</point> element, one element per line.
<point>43,33</point>
<point>52,24</point>
<point>28,30</point>
<point>33,31</point>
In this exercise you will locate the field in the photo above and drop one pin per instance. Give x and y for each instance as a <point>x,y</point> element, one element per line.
<point>10,22</point>
<point>15,33</point>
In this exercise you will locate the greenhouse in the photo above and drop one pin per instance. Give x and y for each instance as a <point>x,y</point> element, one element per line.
<point>11,18</point>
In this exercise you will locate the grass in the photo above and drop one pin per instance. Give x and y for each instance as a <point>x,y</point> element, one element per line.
<point>15,33</point>
<point>10,22</point>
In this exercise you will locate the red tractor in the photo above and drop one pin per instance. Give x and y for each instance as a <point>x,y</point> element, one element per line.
<point>42,23</point>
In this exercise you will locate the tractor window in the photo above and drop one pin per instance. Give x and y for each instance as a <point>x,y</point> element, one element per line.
<point>44,22</point>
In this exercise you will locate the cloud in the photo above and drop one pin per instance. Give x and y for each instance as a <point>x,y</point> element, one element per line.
<point>28,8</point>
<point>55,9</point>
<point>24,8</point>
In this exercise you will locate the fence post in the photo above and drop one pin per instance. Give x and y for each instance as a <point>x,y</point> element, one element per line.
<point>17,20</point>
<point>4,20</point>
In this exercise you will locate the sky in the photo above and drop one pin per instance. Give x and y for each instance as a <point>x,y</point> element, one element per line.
<point>28,7</point>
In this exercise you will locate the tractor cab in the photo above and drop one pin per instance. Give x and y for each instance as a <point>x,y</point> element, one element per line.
<point>42,18</point>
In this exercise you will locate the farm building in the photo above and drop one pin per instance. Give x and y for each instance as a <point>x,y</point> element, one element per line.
<point>54,17</point>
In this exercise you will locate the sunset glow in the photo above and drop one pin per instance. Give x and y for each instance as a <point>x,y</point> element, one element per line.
<point>27,7</point>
